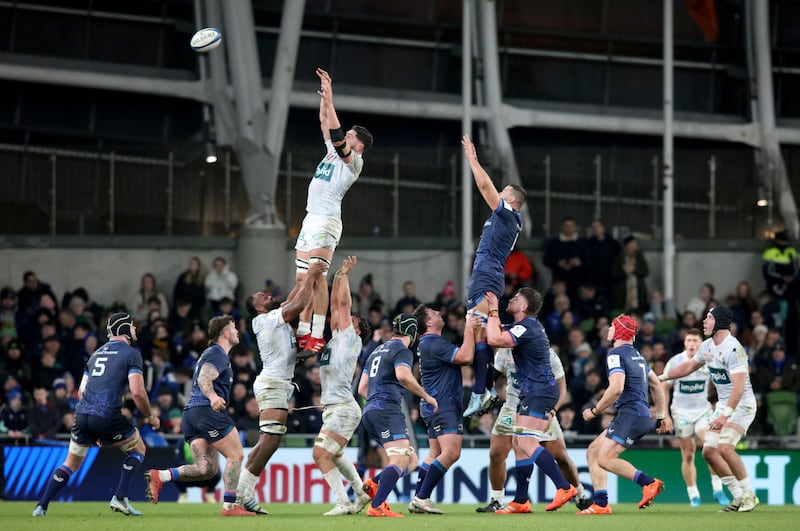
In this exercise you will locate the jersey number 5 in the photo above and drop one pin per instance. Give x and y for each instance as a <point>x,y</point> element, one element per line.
<point>99,366</point>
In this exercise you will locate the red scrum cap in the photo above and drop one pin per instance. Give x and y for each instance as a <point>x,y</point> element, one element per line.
<point>624,327</point>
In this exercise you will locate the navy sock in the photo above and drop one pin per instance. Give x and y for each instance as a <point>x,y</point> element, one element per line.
<point>60,478</point>
<point>229,496</point>
<point>434,476</point>
<point>483,353</point>
<point>422,471</point>
<point>601,497</point>
<point>490,372</point>
<point>129,467</point>
<point>547,463</point>
<point>389,477</point>
<point>641,478</point>
<point>523,471</point>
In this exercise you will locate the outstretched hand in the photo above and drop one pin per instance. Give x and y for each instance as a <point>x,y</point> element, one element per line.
<point>469,148</point>
<point>348,264</point>
<point>325,82</point>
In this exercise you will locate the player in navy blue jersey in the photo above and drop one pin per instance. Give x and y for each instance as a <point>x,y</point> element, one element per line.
<point>206,424</point>
<point>440,371</point>
<point>386,373</point>
<point>629,377</point>
<point>538,394</point>
<point>110,370</point>
<point>498,237</point>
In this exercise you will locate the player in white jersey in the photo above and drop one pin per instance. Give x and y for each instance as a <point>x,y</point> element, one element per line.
<point>341,414</point>
<point>503,431</point>
<point>691,413</point>
<point>322,226</point>
<point>726,360</point>
<point>273,386</point>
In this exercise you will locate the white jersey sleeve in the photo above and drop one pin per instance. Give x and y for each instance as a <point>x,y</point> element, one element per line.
<point>556,365</point>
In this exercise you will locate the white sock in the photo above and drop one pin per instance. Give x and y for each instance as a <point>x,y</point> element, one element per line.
<point>733,486</point>
<point>303,328</point>
<point>716,483</point>
<point>348,470</point>
<point>498,495</point>
<point>334,480</point>
<point>165,475</point>
<point>247,484</point>
<point>744,484</point>
<point>317,326</point>
<point>693,491</point>
<point>579,490</point>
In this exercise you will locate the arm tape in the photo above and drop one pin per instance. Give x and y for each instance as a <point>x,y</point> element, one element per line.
<point>337,135</point>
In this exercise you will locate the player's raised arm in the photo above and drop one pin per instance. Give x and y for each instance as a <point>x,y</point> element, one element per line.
<point>341,299</point>
<point>323,118</point>
<point>337,134</point>
<point>482,179</point>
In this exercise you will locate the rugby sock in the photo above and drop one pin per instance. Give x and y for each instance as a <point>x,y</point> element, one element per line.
<point>229,497</point>
<point>547,463</point>
<point>247,484</point>
<point>744,484</point>
<point>716,483</point>
<point>317,326</point>
<point>481,366</point>
<point>169,474</point>
<point>733,486</point>
<point>303,329</point>
<point>130,466</point>
<point>389,477</point>
<point>334,480</point>
<point>601,497</point>
<point>693,492</point>
<point>348,470</point>
<point>422,471</point>
<point>432,478</point>
<point>60,478</point>
<point>641,478</point>
<point>498,495</point>
<point>523,470</point>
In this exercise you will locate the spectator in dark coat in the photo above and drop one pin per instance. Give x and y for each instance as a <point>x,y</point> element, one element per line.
<point>43,416</point>
<point>567,256</point>
<point>603,250</point>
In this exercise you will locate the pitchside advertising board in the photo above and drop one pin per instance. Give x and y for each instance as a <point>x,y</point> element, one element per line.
<point>292,477</point>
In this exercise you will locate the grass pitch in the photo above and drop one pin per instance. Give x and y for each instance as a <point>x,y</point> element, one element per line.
<point>83,516</point>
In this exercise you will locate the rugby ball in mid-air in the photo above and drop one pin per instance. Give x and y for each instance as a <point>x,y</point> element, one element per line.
<point>206,40</point>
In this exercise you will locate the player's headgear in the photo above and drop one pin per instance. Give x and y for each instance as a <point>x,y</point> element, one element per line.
<point>722,317</point>
<point>624,327</point>
<point>405,325</point>
<point>119,324</point>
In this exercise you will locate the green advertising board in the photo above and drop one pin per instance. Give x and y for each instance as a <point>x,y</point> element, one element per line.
<point>774,475</point>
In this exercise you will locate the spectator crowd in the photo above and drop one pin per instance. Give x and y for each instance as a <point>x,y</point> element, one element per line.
<point>45,340</point>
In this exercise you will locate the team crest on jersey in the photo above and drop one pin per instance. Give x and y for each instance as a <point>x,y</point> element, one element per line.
<point>517,330</point>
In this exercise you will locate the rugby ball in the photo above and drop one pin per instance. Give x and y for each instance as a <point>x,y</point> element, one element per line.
<point>206,40</point>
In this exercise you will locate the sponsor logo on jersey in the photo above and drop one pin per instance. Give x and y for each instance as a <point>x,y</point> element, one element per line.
<point>719,376</point>
<point>324,171</point>
<point>692,387</point>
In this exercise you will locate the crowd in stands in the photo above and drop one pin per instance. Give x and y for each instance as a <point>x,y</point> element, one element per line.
<point>45,340</point>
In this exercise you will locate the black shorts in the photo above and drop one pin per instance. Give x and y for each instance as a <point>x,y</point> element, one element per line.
<point>87,429</point>
<point>205,423</point>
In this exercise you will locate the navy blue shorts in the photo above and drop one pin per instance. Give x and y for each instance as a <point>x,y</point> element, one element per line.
<point>87,429</point>
<point>205,423</point>
<point>537,405</point>
<point>627,429</point>
<point>444,422</point>
<point>385,426</point>
<point>482,281</point>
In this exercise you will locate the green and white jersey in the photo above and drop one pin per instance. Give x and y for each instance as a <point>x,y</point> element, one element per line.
<point>690,392</point>
<point>729,357</point>
<point>504,363</point>
<point>337,364</point>
<point>276,345</point>
<point>331,180</point>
